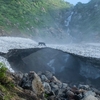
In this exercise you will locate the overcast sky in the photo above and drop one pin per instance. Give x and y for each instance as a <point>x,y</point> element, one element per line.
<point>75,1</point>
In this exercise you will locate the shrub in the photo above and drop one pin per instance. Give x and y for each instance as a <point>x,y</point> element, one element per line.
<point>4,79</point>
<point>3,70</point>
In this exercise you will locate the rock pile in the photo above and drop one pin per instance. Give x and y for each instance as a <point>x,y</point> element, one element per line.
<point>47,87</point>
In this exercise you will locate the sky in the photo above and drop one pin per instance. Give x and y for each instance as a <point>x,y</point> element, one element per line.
<point>74,2</point>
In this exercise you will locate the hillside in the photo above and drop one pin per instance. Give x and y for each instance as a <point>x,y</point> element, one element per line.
<point>46,20</point>
<point>84,24</point>
<point>31,17</point>
<point>9,89</point>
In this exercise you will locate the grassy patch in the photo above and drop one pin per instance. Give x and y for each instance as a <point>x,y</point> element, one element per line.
<point>24,15</point>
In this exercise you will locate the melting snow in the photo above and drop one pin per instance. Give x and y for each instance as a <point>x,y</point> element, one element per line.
<point>51,62</point>
<point>85,50</point>
<point>69,19</point>
<point>7,43</point>
<point>4,61</point>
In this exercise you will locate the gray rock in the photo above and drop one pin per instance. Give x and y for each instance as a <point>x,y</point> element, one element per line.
<point>39,73</point>
<point>55,79</point>
<point>87,93</point>
<point>64,85</point>
<point>96,91</point>
<point>61,93</point>
<point>44,78</point>
<point>47,87</point>
<point>59,85</point>
<point>70,93</point>
<point>37,85</point>
<point>18,75</point>
<point>48,74</point>
<point>86,87</point>
<point>54,87</point>
<point>90,97</point>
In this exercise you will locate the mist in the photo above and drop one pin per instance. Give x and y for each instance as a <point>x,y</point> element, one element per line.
<point>71,34</point>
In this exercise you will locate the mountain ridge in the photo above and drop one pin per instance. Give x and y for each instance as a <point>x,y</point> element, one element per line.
<point>84,23</point>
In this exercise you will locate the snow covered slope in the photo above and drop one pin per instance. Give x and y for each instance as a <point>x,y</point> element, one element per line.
<point>86,50</point>
<point>7,43</point>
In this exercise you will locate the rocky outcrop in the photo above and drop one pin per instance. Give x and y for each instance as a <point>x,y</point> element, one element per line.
<point>50,88</point>
<point>42,86</point>
<point>82,22</point>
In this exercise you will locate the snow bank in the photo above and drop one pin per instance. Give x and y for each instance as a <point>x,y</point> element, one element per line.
<point>7,43</point>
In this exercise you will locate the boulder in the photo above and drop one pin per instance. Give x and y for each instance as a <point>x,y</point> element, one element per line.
<point>86,87</point>
<point>47,87</point>
<point>90,97</point>
<point>55,79</point>
<point>64,85</point>
<point>43,78</point>
<point>89,93</point>
<point>37,85</point>
<point>54,86</point>
<point>48,75</point>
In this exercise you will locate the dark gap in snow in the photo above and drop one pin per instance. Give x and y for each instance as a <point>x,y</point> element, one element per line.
<point>66,67</point>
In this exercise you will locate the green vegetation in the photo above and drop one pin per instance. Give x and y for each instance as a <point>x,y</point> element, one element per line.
<point>8,89</point>
<point>5,83</point>
<point>27,15</point>
<point>4,79</point>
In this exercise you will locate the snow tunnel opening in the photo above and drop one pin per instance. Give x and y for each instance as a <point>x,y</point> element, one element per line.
<point>66,67</point>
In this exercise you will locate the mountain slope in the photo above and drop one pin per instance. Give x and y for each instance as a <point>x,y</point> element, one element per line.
<point>31,17</point>
<point>85,21</point>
